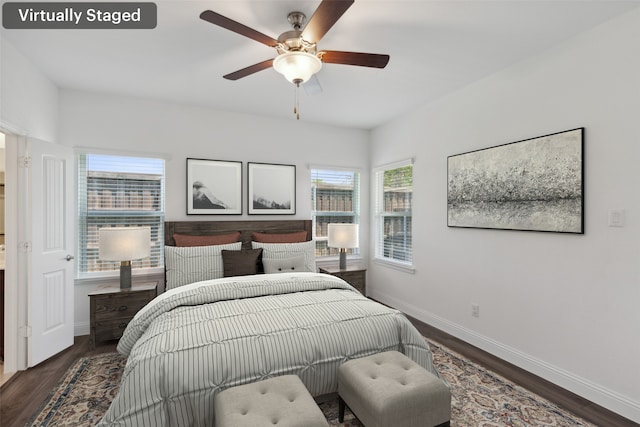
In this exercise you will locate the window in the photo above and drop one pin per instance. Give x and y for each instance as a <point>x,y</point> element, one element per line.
<point>118,191</point>
<point>335,198</point>
<point>394,189</point>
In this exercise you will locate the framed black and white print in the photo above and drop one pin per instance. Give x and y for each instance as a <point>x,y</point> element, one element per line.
<point>214,187</point>
<point>271,189</point>
<point>532,185</point>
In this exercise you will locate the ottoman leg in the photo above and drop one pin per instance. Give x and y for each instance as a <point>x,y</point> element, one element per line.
<point>341,406</point>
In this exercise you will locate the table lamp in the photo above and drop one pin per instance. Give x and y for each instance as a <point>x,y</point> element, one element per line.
<point>124,244</point>
<point>343,236</point>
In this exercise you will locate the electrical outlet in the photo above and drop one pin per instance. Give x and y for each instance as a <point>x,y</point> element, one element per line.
<point>616,218</point>
<point>475,310</point>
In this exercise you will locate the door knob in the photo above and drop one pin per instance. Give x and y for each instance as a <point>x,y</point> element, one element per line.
<point>69,257</point>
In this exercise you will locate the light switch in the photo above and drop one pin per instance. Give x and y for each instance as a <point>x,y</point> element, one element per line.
<point>616,218</point>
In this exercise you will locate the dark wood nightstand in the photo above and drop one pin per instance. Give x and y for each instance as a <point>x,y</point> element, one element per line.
<point>112,308</point>
<point>355,275</point>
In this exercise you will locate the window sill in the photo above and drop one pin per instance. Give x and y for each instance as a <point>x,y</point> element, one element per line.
<point>407,268</point>
<point>110,276</point>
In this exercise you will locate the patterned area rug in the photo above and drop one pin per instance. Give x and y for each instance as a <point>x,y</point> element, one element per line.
<point>479,397</point>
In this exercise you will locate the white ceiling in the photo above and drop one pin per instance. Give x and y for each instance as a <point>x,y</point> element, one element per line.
<point>436,47</point>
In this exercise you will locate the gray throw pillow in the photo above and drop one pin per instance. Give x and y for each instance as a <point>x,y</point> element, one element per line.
<point>274,251</point>
<point>284,265</point>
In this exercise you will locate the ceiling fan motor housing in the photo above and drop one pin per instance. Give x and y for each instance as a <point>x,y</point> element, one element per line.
<point>292,41</point>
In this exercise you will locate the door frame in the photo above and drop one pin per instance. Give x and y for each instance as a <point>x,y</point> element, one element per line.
<point>16,273</point>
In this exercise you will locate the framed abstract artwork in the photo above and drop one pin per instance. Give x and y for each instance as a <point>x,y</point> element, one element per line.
<point>214,187</point>
<point>532,185</point>
<point>271,189</point>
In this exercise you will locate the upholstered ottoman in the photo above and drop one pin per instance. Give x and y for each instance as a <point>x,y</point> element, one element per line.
<point>283,401</point>
<point>389,389</point>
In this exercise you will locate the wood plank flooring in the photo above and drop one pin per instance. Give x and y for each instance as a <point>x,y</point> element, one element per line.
<point>27,390</point>
<point>23,395</point>
<point>573,403</point>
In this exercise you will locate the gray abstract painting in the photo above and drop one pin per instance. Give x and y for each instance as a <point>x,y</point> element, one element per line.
<point>532,185</point>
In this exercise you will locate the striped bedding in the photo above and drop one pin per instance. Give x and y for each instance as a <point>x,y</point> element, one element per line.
<point>194,341</point>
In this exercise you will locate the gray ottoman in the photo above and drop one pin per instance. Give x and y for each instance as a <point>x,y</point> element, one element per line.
<point>283,401</point>
<point>389,389</point>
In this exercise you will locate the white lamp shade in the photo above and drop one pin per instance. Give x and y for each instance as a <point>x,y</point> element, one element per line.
<point>297,65</point>
<point>343,236</point>
<point>124,243</point>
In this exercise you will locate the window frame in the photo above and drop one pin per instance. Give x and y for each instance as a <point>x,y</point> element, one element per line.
<point>355,213</point>
<point>82,214</point>
<point>380,215</point>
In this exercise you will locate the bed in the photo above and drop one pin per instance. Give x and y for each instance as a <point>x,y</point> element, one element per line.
<point>199,338</point>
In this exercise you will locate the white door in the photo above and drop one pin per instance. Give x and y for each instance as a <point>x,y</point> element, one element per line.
<point>52,249</point>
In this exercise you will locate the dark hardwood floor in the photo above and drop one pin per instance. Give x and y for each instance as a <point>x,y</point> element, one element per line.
<point>23,395</point>
<point>26,391</point>
<point>569,401</point>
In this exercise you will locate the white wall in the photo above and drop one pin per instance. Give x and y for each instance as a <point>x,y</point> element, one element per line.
<point>28,99</point>
<point>132,125</point>
<point>562,306</point>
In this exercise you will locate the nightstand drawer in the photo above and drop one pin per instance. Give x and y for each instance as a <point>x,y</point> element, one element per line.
<point>354,278</point>
<point>118,306</point>
<point>354,275</point>
<point>111,329</point>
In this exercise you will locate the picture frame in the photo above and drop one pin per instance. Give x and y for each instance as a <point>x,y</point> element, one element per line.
<point>271,189</point>
<point>214,187</point>
<point>535,184</point>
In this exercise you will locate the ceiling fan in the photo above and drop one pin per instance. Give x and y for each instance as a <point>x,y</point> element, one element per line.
<point>298,58</point>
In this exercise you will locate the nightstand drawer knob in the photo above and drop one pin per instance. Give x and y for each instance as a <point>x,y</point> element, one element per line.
<point>122,308</point>
<point>122,325</point>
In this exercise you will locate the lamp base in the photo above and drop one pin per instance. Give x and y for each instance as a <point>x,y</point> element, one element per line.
<point>125,275</point>
<point>343,259</point>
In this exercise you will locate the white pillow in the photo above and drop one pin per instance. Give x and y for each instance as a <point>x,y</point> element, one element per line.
<point>280,251</point>
<point>196,263</point>
<point>285,265</point>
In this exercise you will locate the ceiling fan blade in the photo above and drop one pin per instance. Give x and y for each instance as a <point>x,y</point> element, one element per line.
<point>249,70</point>
<point>312,86</point>
<point>325,16</point>
<point>354,58</point>
<point>236,27</point>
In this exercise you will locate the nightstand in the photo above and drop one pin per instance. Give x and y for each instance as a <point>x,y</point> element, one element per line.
<point>355,275</point>
<point>112,308</point>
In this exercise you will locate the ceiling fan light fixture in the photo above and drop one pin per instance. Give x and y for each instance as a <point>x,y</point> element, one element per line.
<point>297,67</point>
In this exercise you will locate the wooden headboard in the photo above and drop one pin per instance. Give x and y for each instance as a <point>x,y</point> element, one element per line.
<point>208,228</point>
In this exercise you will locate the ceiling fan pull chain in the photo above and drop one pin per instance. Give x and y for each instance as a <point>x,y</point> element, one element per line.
<point>296,100</point>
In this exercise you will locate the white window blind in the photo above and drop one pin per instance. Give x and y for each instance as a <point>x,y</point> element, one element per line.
<point>393,210</point>
<point>117,191</point>
<point>335,198</point>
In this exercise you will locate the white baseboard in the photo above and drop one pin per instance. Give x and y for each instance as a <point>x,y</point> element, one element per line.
<point>82,328</point>
<point>587,389</point>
